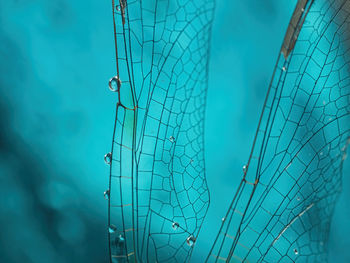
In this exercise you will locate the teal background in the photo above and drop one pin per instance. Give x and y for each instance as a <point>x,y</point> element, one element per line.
<point>57,115</point>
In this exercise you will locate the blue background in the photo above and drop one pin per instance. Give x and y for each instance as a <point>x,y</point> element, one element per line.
<point>57,118</point>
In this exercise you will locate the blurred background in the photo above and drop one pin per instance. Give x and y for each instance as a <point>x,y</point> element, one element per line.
<point>57,115</point>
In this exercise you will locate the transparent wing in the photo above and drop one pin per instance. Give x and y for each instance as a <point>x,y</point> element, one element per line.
<point>282,209</point>
<point>158,196</point>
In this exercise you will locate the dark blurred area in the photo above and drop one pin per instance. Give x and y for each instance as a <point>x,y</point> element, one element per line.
<point>50,211</point>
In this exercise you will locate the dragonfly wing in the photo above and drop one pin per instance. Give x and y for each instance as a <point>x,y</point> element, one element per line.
<point>283,206</point>
<point>158,191</point>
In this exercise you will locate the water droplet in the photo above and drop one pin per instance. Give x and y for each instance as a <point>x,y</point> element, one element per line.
<point>108,158</point>
<point>302,10</point>
<point>298,198</point>
<point>121,238</point>
<point>172,138</point>
<point>190,241</point>
<point>117,7</point>
<point>106,194</point>
<point>119,242</point>
<point>112,229</point>
<point>245,169</point>
<point>223,219</point>
<point>284,68</point>
<point>296,252</point>
<point>114,84</point>
<point>175,225</point>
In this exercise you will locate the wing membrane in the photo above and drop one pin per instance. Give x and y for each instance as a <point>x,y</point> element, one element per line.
<point>283,206</point>
<point>158,192</point>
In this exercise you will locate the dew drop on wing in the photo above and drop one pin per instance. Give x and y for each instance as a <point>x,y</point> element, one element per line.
<point>120,246</point>
<point>114,84</point>
<point>108,158</point>
<point>190,241</point>
<point>120,239</point>
<point>175,225</point>
<point>244,169</point>
<point>112,229</point>
<point>106,194</point>
<point>172,138</point>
